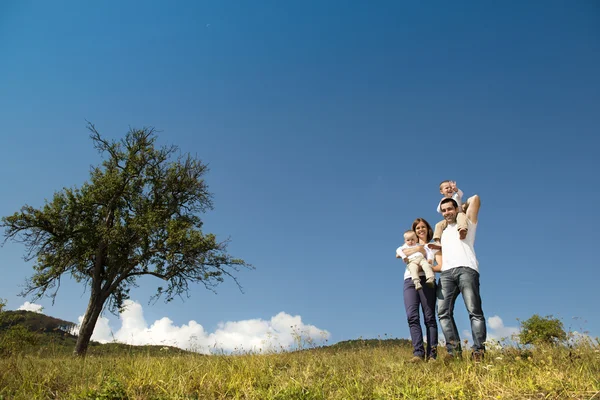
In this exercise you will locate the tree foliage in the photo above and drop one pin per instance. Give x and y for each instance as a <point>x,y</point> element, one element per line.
<point>14,337</point>
<point>138,215</point>
<point>542,330</point>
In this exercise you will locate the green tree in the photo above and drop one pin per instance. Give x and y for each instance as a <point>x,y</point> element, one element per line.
<point>137,215</point>
<point>542,330</point>
<point>14,337</point>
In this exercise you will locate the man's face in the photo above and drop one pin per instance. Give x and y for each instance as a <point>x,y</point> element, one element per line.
<point>446,189</point>
<point>449,212</point>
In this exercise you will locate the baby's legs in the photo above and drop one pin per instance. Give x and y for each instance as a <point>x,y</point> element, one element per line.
<point>429,274</point>
<point>439,228</point>
<point>413,268</point>
<point>461,224</point>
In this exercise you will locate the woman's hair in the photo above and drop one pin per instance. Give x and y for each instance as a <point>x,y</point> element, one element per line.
<point>429,230</point>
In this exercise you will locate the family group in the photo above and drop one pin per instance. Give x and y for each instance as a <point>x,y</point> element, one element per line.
<point>449,251</point>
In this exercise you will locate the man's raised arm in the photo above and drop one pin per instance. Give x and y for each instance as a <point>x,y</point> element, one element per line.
<point>473,208</point>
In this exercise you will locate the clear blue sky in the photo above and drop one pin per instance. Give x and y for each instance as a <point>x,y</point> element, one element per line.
<point>327,127</point>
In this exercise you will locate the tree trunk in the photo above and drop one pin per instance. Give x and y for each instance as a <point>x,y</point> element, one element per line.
<point>89,323</point>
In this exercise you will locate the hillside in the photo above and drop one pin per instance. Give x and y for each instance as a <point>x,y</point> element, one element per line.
<point>35,322</point>
<point>48,336</point>
<point>53,335</point>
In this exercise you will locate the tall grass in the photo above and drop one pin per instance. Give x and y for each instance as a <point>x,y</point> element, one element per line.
<point>381,372</point>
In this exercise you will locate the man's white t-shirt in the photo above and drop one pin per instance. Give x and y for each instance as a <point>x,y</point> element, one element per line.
<point>456,252</point>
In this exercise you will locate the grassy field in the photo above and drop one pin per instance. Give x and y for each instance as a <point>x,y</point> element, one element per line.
<point>356,372</point>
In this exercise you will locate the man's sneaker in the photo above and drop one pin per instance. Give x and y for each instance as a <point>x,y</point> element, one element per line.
<point>477,356</point>
<point>416,359</point>
<point>430,281</point>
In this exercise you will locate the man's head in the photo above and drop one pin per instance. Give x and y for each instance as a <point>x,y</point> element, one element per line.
<point>449,209</point>
<point>446,188</point>
<point>410,238</point>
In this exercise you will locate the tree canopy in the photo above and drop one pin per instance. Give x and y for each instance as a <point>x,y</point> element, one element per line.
<point>542,330</point>
<point>138,215</point>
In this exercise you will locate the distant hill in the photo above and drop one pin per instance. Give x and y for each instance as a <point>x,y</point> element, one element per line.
<point>36,322</point>
<point>361,343</point>
<point>55,335</point>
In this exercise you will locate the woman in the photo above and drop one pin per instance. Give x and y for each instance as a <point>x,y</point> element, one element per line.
<point>425,298</point>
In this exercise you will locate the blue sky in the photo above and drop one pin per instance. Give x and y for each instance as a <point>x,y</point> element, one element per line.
<point>327,127</point>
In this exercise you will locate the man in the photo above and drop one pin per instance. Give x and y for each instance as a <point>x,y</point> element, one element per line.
<point>460,275</point>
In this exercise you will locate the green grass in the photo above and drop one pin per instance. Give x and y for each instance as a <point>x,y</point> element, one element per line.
<point>353,372</point>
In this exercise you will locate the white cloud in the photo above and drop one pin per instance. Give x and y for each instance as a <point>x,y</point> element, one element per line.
<point>496,331</point>
<point>27,306</point>
<point>282,331</point>
<point>579,338</point>
<point>102,332</point>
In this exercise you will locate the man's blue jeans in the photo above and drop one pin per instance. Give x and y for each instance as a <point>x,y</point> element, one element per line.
<point>465,281</point>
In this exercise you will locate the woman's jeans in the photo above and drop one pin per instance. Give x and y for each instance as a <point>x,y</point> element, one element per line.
<point>426,299</point>
<point>463,280</point>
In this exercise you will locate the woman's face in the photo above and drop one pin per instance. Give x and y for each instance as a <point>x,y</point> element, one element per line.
<point>421,230</point>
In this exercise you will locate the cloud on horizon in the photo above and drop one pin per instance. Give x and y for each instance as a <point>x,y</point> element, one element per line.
<point>579,338</point>
<point>27,306</point>
<point>496,330</point>
<point>283,331</point>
